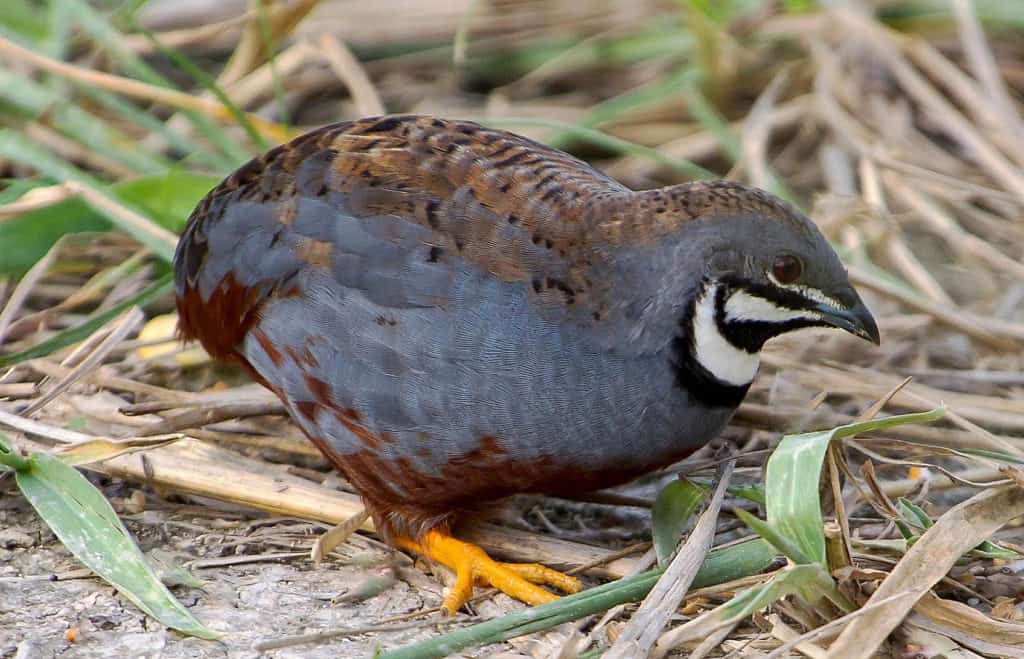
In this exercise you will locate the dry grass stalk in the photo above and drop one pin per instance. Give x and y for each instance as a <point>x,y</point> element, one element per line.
<point>134,88</point>
<point>644,628</point>
<point>352,73</point>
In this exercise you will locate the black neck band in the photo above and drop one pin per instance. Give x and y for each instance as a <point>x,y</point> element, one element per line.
<point>691,375</point>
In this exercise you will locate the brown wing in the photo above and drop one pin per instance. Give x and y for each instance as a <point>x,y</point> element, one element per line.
<point>512,206</point>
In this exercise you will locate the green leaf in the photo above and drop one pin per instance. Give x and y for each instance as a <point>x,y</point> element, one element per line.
<point>793,474</point>
<point>672,514</point>
<point>23,18</point>
<point>791,493</point>
<point>645,95</point>
<point>95,24</point>
<point>921,521</point>
<point>753,492</point>
<point>196,72</point>
<point>84,521</point>
<point>989,549</point>
<point>10,458</point>
<point>27,238</point>
<point>774,536</point>
<point>18,148</point>
<point>168,199</point>
<point>47,102</point>
<point>914,513</point>
<point>809,582</point>
<point>993,455</point>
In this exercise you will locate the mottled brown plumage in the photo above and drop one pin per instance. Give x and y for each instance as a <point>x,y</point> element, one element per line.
<point>454,313</point>
<point>512,206</point>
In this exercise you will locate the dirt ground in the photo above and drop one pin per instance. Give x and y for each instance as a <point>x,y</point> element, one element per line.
<point>258,584</point>
<point>46,601</point>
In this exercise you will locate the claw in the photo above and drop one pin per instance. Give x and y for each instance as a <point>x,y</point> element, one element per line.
<point>472,565</point>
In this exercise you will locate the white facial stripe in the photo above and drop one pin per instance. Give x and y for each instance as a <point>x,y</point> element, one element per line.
<point>744,306</point>
<point>809,293</point>
<point>713,351</point>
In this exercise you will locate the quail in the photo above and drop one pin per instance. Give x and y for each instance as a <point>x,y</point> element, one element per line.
<point>454,314</point>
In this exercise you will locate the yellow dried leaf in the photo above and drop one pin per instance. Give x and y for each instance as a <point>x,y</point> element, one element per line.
<point>160,327</point>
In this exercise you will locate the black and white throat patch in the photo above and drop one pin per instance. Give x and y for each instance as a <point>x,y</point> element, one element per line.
<point>724,330</point>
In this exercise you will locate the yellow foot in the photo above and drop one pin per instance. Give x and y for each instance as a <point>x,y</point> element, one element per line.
<point>472,565</point>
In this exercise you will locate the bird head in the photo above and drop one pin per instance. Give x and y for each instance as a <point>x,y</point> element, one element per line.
<point>732,268</point>
<point>763,277</point>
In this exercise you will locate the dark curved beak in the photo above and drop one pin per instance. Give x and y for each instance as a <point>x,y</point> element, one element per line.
<point>856,319</point>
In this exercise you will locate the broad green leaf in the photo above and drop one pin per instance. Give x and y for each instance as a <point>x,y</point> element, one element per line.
<point>793,474</point>
<point>911,512</point>
<point>791,493</point>
<point>168,199</point>
<point>672,514</point>
<point>84,521</point>
<point>18,148</point>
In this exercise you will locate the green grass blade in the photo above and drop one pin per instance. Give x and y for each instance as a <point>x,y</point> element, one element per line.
<point>672,513</point>
<point>96,25</point>
<point>106,36</point>
<point>200,76</point>
<point>197,151</point>
<point>705,113</point>
<point>23,18</point>
<point>783,543</point>
<point>753,492</point>
<point>34,100</point>
<point>634,99</point>
<point>18,148</point>
<point>82,518</point>
<point>10,458</point>
<point>720,566</point>
<point>809,582</point>
<point>922,522</point>
<point>84,330</point>
<point>791,487</point>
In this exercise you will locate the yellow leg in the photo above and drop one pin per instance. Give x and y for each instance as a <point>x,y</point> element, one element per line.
<point>472,565</point>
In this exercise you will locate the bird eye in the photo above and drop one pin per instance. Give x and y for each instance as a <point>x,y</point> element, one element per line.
<point>787,268</point>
